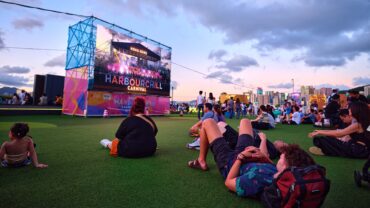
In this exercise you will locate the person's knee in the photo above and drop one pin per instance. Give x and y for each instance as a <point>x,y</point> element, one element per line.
<point>208,122</point>
<point>245,121</point>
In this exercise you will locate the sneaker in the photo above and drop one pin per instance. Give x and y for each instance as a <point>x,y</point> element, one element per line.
<point>194,144</point>
<point>104,142</point>
<point>197,148</point>
<point>316,151</point>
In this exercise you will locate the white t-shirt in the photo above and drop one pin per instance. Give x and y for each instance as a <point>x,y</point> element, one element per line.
<point>22,95</point>
<point>296,117</point>
<point>211,101</point>
<point>200,100</point>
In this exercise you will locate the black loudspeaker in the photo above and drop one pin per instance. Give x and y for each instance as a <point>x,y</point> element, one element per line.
<point>38,88</point>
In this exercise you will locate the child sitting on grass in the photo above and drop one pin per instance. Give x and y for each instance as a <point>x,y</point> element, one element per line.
<point>20,150</point>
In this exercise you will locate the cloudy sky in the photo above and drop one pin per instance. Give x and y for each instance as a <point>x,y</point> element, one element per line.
<point>236,45</point>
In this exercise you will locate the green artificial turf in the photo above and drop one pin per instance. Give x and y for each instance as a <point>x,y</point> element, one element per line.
<point>82,174</point>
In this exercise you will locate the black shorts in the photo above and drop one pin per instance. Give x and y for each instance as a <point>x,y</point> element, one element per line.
<point>224,156</point>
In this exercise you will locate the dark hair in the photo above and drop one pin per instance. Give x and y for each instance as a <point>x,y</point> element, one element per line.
<point>208,105</point>
<point>343,112</point>
<point>263,108</point>
<point>335,97</point>
<point>200,92</point>
<point>217,108</point>
<point>355,92</point>
<point>296,108</point>
<point>138,106</point>
<point>360,111</point>
<point>295,156</point>
<point>19,130</point>
<point>211,95</point>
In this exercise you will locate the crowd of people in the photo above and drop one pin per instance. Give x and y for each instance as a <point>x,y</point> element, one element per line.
<point>243,157</point>
<point>25,98</point>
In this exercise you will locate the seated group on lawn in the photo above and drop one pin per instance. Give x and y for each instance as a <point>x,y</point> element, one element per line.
<point>244,158</point>
<point>247,169</point>
<point>351,141</point>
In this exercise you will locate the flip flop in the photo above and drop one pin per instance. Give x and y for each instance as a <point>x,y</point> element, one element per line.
<point>196,165</point>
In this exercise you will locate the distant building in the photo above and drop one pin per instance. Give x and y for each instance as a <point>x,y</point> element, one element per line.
<point>260,100</point>
<point>307,90</point>
<point>259,91</point>
<point>266,99</point>
<point>326,91</point>
<point>275,100</point>
<point>250,95</point>
<point>283,97</point>
<point>270,96</point>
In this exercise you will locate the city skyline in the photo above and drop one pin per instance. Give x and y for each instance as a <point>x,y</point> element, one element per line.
<point>248,43</point>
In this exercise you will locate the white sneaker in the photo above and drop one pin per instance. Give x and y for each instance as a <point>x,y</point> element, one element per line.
<point>196,143</point>
<point>105,142</point>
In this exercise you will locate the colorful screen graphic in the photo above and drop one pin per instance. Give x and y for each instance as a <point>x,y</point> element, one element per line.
<point>130,65</point>
<point>118,103</point>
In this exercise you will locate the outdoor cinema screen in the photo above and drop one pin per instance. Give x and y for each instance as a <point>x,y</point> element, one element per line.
<point>127,64</point>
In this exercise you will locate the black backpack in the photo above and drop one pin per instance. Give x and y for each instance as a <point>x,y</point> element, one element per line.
<point>297,187</point>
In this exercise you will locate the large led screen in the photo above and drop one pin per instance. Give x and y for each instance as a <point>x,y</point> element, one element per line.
<point>127,64</point>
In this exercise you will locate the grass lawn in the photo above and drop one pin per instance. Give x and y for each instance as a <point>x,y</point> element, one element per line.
<point>82,174</point>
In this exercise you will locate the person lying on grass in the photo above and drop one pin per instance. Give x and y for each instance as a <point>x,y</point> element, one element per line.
<point>231,137</point>
<point>352,141</point>
<point>135,136</point>
<point>20,150</point>
<point>247,170</point>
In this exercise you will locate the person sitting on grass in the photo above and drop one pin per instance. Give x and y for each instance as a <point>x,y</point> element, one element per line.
<point>135,136</point>
<point>20,150</point>
<point>247,170</point>
<point>352,141</point>
<point>208,113</point>
<point>194,130</point>
<point>296,117</point>
<point>309,118</point>
<point>217,110</point>
<point>264,120</point>
<point>287,109</point>
<point>345,118</point>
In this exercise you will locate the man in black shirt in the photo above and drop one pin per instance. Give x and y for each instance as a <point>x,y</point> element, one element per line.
<point>332,110</point>
<point>355,96</point>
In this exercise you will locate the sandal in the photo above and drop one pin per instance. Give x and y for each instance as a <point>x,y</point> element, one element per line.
<point>196,165</point>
